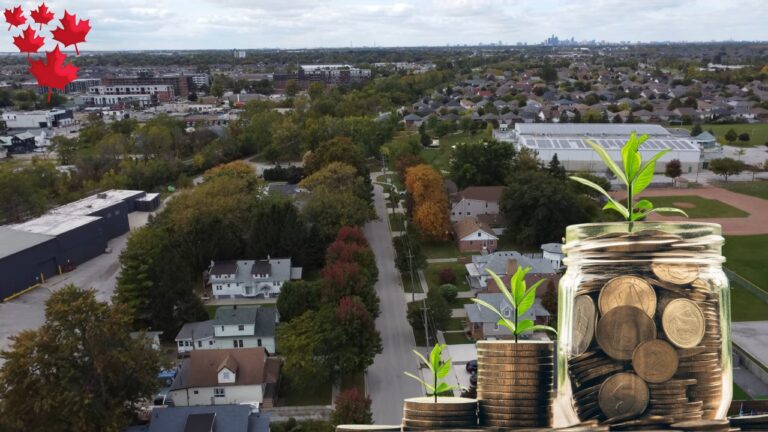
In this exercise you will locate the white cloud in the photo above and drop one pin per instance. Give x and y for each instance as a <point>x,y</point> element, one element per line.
<point>190,24</point>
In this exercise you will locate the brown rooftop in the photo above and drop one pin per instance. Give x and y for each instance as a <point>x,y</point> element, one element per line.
<point>469,225</point>
<point>483,193</point>
<point>202,367</point>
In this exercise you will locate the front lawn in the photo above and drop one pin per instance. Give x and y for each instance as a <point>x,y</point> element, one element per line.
<point>698,207</point>
<point>440,158</point>
<point>758,133</point>
<point>391,179</point>
<point>444,249</point>
<point>457,338</point>
<point>748,256</point>
<point>432,272</point>
<point>757,188</point>
<point>292,395</point>
<point>455,324</point>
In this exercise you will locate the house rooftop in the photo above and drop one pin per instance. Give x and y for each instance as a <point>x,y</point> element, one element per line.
<point>196,330</point>
<point>469,225</point>
<point>202,366</point>
<point>483,193</point>
<point>497,262</point>
<point>594,129</point>
<point>478,314</point>
<point>263,318</point>
<point>225,418</point>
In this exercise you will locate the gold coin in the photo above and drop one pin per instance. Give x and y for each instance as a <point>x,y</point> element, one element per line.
<point>623,394</point>
<point>511,346</point>
<point>504,404</point>
<point>627,291</point>
<point>679,274</point>
<point>584,318</point>
<point>513,397</point>
<point>622,329</point>
<point>683,323</point>
<point>655,361</point>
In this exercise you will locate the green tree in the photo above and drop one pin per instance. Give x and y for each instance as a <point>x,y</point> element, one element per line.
<point>401,244</point>
<point>291,88</point>
<point>329,211</point>
<point>538,207</point>
<point>731,136</point>
<point>339,149</point>
<point>86,372</point>
<point>726,167</point>
<point>303,342</point>
<point>297,297</point>
<point>696,130</point>
<point>673,169</point>
<point>548,72</point>
<point>352,407</point>
<point>555,168</point>
<point>484,164</point>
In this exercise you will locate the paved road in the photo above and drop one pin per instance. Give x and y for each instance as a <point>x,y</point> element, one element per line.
<point>386,383</point>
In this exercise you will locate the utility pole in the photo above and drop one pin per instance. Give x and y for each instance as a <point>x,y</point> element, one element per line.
<point>426,327</point>
<point>410,267</point>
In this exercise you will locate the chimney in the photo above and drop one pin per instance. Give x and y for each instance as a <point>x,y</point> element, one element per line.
<point>511,267</point>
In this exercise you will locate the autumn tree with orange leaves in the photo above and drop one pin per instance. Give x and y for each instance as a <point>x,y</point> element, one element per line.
<point>430,203</point>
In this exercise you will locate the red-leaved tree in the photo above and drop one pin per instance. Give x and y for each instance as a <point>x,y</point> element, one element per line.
<point>352,407</point>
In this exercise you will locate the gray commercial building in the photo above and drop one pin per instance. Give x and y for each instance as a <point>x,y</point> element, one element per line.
<point>65,237</point>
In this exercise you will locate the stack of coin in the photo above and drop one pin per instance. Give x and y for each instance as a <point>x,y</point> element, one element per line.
<point>448,412</point>
<point>646,328</point>
<point>703,425</point>
<point>515,383</point>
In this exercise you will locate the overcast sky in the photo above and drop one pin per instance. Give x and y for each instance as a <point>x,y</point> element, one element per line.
<point>226,24</point>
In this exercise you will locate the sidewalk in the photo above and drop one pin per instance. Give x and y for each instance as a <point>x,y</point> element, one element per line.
<point>441,260</point>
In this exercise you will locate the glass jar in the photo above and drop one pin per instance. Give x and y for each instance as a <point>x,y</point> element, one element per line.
<point>644,324</point>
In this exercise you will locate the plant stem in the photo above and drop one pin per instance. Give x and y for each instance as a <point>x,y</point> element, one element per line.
<point>516,316</point>
<point>629,205</point>
<point>434,374</point>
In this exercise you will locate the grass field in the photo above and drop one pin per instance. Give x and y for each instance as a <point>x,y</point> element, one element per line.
<point>407,286</point>
<point>757,188</point>
<point>289,395</point>
<point>392,179</point>
<point>440,157</point>
<point>457,338</point>
<point>432,273</point>
<point>446,249</point>
<point>748,256</point>
<point>758,133</point>
<point>456,324</point>
<point>396,222</point>
<point>745,306</point>
<point>701,207</point>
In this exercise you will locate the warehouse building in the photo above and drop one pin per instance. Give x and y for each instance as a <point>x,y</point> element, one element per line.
<point>569,142</point>
<point>64,238</point>
<point>26,259</point>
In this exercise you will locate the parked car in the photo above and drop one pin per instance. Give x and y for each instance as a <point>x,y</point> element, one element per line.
<point>472,366</point>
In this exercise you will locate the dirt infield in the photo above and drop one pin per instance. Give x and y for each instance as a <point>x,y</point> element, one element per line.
<point>755,223</point>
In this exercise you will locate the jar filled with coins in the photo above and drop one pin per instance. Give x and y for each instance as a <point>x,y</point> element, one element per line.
<point>644,324</point>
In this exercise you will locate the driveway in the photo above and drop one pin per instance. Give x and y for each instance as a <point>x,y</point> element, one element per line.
<point>387,385</point>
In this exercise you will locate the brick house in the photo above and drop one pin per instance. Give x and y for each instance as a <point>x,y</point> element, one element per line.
<point>475,236</point>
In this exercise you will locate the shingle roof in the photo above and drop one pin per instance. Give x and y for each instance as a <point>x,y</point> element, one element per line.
<point>483,193</point>
<point>497,262</point>
<point>478,314</point>
<point>469,225</point>
<point>230,418</point>
<point>263,318</point>
<point>202,366</point>
<point>196,330</point>
<point>224,267</point>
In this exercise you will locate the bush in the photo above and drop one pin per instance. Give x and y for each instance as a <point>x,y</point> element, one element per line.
<point>743,137</point>
<point>449,292</point>
<point>352,407</point>
<point>290,174</point>
<point>446,276</point>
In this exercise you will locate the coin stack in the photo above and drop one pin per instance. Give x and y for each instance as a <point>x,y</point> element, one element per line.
<point>515,383</point>
<point>448,412</point>
<point>646,331</point>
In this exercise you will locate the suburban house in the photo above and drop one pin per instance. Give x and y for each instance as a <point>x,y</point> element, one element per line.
<point>219,418</point>
<point>483,323</point>
<point>554,253</point>
<point>475,236</point>
<point>504,264</point>
<point>226,376</point>
<point>251,278</point>
<point>481,202</point>
<point>232,327</point>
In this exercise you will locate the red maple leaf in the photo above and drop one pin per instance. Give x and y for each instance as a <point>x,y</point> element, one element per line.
<point>15,17</point>
<point>28,41</point>
<point>42,15</point>
<point>53,72</point>
<point>71,32</point>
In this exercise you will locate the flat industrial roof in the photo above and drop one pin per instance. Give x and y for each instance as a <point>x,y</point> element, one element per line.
<point>13,241</point>
<point>93,203</point>
<point>576,142</point>
<point>592,129</point>
<point>54,224</point>
<point>148,197</point>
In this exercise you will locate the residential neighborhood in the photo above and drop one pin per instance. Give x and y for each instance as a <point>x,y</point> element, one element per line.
<point>259,239</point>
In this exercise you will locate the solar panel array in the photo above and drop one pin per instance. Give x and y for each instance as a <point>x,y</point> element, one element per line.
<point>608,144</point>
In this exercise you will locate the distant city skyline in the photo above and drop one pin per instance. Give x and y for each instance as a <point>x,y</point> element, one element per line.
<point>253,24</point>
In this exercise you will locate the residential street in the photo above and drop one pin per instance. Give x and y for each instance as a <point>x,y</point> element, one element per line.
<point>387,384</point>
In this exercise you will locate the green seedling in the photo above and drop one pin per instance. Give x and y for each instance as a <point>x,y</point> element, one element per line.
<point>521,298</point>
<point>439,369</point>
<point>635,174</point>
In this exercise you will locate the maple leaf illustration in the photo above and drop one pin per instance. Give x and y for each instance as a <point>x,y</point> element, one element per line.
<point>28,41</point>
<point>71,32</point>
<point>42,15</point>
<point>52,72</point>
<point>15,17</point>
